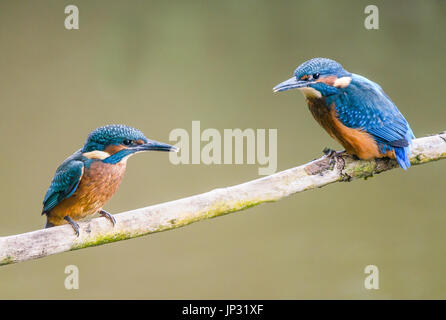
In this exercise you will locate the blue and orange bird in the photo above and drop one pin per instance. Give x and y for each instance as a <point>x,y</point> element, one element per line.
<point>87,179</point>
<point>353,110</point>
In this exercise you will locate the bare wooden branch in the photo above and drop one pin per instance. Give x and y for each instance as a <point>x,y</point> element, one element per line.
<point>178,213</point>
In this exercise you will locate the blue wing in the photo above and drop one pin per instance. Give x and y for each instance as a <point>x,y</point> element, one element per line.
<point>65,182</point>
<point>363,104</point>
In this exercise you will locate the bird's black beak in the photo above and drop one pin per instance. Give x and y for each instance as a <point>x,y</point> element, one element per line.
<point>291,83</point>
<point>151,145</point>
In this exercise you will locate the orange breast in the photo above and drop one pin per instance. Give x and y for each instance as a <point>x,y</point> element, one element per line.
<point>355,141</point>
<point>98,184</point>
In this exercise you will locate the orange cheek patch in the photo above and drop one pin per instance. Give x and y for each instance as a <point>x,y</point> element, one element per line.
<point>139,142</point>
<point>112,149</point>
<point>330,80</point>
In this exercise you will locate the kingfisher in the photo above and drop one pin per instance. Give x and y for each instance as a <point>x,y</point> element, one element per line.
<point>354,110</point>
<point>88,178</point>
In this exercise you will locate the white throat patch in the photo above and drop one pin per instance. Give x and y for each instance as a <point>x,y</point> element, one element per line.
<point>342,82</point>
<point>310,92</point>
<point>96,154</point>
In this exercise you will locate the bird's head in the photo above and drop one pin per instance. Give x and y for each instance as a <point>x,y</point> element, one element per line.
<point>113,143</point>
<point>316,78</point>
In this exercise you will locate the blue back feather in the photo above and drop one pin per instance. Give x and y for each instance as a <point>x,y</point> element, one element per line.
<point>65,181</point>
<point>363,104</point>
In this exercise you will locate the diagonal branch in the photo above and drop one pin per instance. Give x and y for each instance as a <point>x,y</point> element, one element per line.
<point>178,213</point>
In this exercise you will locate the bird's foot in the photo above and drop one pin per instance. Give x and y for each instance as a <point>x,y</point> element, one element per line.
<point>107,215</point>
<point>331,152</point>
<point>73,224</point>
<point>333,156</point>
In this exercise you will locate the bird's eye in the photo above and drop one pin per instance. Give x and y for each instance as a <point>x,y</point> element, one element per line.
<point>127,142</point>
<point>316,75</point>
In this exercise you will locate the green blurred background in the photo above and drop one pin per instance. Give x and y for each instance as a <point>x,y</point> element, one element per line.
<point>158,65</point>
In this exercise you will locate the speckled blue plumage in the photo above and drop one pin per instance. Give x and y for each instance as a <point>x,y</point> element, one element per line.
<point>323,66</point>
<point>99,138</point>
<point>363,105</point>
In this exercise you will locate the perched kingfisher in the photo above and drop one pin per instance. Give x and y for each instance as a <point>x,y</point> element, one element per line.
<point>87,179</point>
<point>353,110</point>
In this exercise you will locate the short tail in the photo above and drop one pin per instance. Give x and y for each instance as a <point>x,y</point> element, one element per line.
<point>402,156</point>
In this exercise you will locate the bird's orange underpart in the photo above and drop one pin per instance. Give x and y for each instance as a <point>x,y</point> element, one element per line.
<point>98,184</point>
<point>330,80</point>
<point>355,141</point>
